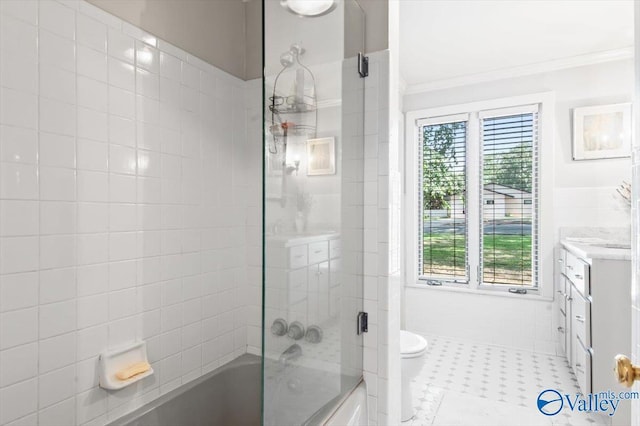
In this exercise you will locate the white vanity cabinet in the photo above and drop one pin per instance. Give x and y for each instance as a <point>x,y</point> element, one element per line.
<point>305,271</point>
<point>593,311</point>
<point>562,306</point>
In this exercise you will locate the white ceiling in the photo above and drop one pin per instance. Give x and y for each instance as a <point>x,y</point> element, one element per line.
<point>444,39</point>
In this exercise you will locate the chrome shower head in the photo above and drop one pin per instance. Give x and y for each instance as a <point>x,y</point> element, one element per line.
<point>289,57</point>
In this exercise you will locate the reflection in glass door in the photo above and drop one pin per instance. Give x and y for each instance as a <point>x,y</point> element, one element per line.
<point>313,190</point>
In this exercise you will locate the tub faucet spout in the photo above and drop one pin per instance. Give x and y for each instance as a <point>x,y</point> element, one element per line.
<point>293,352</point>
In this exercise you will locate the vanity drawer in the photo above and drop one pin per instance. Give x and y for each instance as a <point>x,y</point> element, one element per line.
<point>578,272</point>
<point>561,295</point>
<point>582,366</point>
<point>298,256</point>
<point>581,318</point>
<point>561,260</point>
<point>580,278</point>
<point>562,332</point>
<point>318,252</point>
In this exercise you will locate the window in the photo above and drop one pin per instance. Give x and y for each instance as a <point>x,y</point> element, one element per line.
<point>507,178</point>
<point>443,246</point>
<point>477,198</point>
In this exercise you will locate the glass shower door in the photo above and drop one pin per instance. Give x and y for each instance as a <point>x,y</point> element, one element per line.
<point>313,209</point>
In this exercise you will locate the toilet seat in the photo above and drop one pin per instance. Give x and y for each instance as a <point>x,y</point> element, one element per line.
<point>412,345</point>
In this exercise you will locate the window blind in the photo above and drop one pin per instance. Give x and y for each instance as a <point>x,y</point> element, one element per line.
<point>443,223</point>
<point>509,199</point>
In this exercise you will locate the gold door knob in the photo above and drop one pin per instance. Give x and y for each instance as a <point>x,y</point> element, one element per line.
<point>626,372</point>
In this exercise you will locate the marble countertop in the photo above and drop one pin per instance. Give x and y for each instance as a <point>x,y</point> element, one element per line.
<point>594,248</point>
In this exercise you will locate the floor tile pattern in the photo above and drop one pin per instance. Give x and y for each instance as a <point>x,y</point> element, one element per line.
<point>464,383</point>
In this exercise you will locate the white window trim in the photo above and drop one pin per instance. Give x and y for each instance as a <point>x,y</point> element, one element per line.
<point>546,134</point>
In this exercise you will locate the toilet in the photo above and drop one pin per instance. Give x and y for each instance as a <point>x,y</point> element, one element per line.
<point>412,351</point>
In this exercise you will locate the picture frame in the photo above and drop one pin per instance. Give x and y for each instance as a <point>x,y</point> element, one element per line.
<point>274,164</point>
<point>321,156</point>
<point>602,131</point>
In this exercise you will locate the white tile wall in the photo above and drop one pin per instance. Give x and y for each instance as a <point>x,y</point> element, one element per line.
<point>253,234</point>
<point>129,209</point>
<point>382,275</point>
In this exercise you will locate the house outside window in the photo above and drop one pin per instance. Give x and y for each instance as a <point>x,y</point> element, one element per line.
<point>477,188</point>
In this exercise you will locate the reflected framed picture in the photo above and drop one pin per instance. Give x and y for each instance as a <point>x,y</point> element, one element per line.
<point>602,131</point>
<point>321,156</point>
<point>274,164</point>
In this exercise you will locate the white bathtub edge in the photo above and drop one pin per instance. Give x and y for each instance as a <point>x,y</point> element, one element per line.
<point>353,409</point>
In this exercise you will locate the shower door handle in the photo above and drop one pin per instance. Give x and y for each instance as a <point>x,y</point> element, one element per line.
<point>363,322</point>
<point>363,65</point>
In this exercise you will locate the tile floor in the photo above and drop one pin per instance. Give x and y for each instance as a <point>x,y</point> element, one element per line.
<point>466,384</point>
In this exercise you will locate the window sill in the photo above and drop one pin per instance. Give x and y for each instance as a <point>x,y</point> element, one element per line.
<point>532,295</point>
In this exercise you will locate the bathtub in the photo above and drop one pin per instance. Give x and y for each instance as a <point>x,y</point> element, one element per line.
<point>231,395</point>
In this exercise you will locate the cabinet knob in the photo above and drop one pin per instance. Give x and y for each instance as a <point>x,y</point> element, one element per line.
<point>625,371</point>
<point>579,318</point>
<point>578,276</point>
<point>561,329</point>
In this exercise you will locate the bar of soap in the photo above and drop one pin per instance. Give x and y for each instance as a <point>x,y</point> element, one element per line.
<point>133,370</point>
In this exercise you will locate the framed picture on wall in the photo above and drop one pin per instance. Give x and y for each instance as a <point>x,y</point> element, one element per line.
<point>321,156</point>
<point>602,131</point>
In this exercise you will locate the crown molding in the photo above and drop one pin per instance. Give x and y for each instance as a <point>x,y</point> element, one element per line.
<point>537,68</point>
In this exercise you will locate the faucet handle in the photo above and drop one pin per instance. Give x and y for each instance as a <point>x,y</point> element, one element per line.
<point>279,327</point>
<point>296,330</point>
<point>314,334</point>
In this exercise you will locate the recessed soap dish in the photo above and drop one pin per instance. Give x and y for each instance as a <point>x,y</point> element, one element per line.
<point>131,359</point>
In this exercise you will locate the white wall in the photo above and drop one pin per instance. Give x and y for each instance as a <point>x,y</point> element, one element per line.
<point>125,187</point>
<point>635,225</point>
<point>498,320</point>
<point>583,189</point>
<point>583,196</point>
<point>202,28</point>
